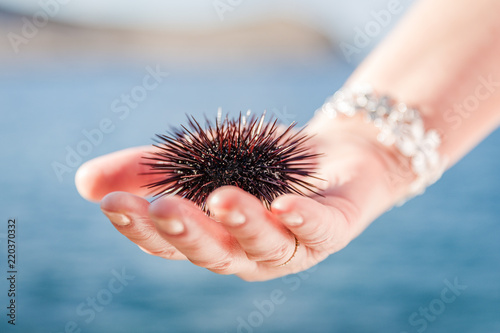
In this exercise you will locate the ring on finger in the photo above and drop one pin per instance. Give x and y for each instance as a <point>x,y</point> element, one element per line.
<point>297,244</point>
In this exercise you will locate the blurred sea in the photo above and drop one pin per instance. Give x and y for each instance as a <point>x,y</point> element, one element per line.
<point>68,252</point>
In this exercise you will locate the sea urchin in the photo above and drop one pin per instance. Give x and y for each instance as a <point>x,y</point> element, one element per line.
<point>258,157</point>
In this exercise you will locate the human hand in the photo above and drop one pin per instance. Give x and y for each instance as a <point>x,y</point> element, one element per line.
<point>242,236</point>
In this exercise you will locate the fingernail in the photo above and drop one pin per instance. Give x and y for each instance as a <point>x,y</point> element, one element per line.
<point>235,218</point>
<point>231,217</point>
<point>117,218</point>
<point>172,227</point>
<point>291,219</point>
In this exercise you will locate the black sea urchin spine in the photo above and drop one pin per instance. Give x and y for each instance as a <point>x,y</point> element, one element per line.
<point>248,153</point>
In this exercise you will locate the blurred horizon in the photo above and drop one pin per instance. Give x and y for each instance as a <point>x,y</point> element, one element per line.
<point>246,33</point>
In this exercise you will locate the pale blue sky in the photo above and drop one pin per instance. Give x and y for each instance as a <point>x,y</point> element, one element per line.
<point>335,17</point>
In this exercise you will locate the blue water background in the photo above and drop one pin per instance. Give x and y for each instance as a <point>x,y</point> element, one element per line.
<point>67,249</point>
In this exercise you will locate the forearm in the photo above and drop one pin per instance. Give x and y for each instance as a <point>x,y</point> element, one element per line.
<point>445,58</point>
<point>440,59</point>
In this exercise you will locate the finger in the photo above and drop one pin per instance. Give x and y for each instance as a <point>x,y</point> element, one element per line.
<point>118,171</point>
<point>259,233</point>
<point>129,215</point>
<point>203,241</point>
<point>318,226</point>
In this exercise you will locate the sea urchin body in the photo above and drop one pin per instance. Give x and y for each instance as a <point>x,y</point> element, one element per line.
<point>258,157</point>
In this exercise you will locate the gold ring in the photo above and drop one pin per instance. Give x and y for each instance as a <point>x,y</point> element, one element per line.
<point>297,244</point>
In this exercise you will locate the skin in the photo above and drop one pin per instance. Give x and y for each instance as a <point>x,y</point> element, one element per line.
<point>439,68</point>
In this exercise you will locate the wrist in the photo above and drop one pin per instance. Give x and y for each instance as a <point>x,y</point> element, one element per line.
<point>395,176</point>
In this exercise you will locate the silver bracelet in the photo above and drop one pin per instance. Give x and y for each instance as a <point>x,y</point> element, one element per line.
<point>399,125</point>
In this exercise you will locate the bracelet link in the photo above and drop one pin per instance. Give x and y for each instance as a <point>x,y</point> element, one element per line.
<point>399,125</point>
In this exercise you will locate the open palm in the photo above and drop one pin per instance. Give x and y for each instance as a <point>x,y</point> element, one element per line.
<point>243,237</point>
